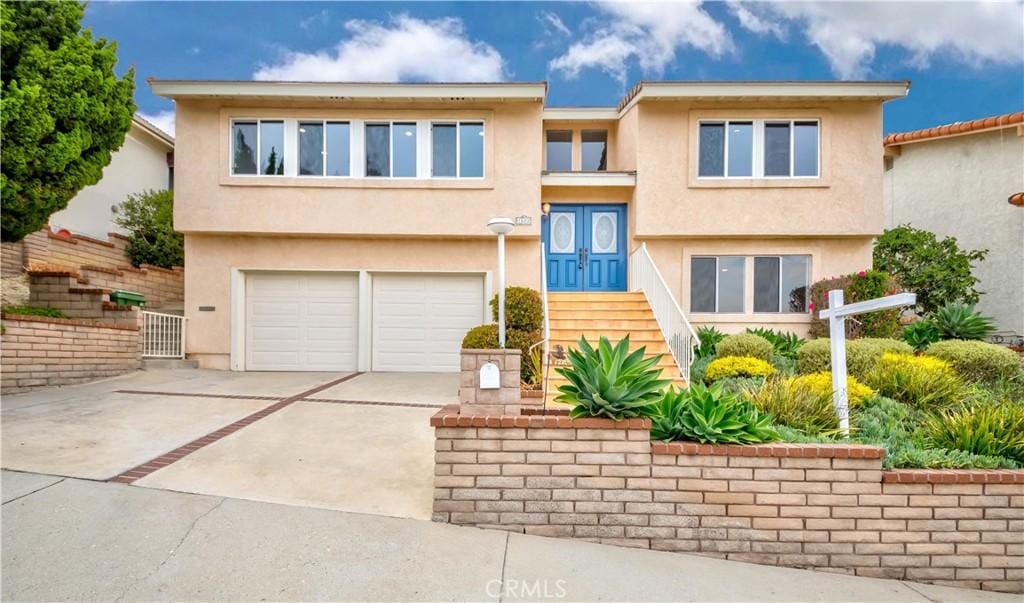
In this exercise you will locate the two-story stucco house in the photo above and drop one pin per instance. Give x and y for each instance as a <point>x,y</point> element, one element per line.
<point>341,226</point>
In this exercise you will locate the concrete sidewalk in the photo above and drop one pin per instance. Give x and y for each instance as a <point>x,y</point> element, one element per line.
<point>68,539</point>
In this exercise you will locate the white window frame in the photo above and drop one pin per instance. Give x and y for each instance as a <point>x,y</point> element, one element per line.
<point>458,149</point>
<point>323,152</point>
<point>743,295</point>
<point>757,156</point>
<point>390,123</point>
<point>807,277</point>
<point>259,142</point>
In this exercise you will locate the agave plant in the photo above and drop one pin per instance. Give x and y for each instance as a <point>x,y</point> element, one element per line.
<point>710,415</point>
<point>920,334</point>
<point>786,344</point>
<point>960,321</point>
<point>709,338</point>
<point>610,381</point>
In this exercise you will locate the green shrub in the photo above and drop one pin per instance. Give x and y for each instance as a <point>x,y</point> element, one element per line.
<point>483,337</point>
<point>918,380</point>
<point>786,344</point>
<point>942,458</point>
<point>858,286</point>
<point>861,355</point>
<point>737,366</point>
<point>978,361</point>
<point>920,334</point>
<point>783,365</point>
<point>524,310</point>
<point>882,421</point>
<point>710,415</point>
<point>745,344</point>
<point>523,340</point>
<point>35,311</point>
<point>960,321</point>
<point>149,219</point>
<point>698,367</point>
<point>610,381</point>
<point>821,383</point>
<point>988,430</point>
<point>796,406</point>
<point>740,385</point>
<point>709,338</point>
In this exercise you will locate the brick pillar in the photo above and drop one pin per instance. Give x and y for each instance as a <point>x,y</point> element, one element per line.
<point>505,399</point>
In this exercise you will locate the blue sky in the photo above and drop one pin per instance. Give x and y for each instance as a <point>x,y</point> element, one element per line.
<point>964,58</point>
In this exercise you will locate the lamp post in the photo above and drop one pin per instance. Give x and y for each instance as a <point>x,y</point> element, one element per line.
<point>501,227</point>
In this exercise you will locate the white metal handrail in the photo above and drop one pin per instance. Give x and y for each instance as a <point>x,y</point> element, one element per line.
<point>547,321</point>
<point>163,335</point>
<point>679,334</point>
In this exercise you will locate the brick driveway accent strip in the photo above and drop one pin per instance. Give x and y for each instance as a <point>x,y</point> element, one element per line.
<point>173,456</point>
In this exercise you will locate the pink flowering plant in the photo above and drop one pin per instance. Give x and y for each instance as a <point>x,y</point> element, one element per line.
<point>858,286</point>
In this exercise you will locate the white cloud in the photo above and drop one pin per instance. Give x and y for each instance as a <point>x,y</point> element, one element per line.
<point>649,33</point>
<point>405,49</point>
<point>553,21</point>
<point>163,120</point>
<point>850,33</point>
<point>752,22</point>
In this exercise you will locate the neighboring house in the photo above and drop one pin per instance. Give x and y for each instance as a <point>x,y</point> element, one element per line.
<point>144,162</point>
<point>342,226</point>
<point>966,180</point>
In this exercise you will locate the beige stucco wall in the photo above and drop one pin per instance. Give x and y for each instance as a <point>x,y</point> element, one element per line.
<point>211,259</point>
<point>845,201</point>
<point>208,199</point>
<point>140,164</point>
<point>829,256</point>
<point>959,187</point>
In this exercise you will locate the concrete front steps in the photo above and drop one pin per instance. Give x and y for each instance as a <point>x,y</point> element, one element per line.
<point>613,315</point>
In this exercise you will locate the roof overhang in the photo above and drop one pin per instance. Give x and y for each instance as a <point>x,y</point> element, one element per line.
<point>760,91</point>
<point>581,114</point>
<point>627,179</point>
<point>153,131</point>
<point>510,91</point>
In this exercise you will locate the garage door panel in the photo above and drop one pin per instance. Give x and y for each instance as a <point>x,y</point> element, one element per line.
<point>419,320</point>
<point>301,321</point>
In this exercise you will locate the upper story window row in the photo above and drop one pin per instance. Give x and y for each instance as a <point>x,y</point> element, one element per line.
<point>759,148</point>
<point>593,150</point>
<point>370,149</point>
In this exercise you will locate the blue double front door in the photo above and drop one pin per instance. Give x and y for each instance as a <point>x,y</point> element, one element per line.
<point>586,247</point>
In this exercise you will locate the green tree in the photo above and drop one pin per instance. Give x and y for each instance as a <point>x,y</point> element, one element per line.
<point>62,110</point>
<point>937,270</point>
<point>149,219</point>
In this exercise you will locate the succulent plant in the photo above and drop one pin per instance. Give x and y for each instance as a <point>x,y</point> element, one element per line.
<point>710,415</point>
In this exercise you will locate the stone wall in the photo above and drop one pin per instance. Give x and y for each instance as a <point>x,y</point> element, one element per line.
<point>812,506</point>
<point>504,399</point>
<point>38,352</point>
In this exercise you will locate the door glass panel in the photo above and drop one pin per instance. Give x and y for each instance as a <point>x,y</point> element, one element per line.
<point>563,233</point>
<point>603,236</point>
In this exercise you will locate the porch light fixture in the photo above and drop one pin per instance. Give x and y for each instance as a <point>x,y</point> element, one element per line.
<point>501,227</point>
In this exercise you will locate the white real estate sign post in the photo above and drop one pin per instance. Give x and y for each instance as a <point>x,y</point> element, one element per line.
<point>836,315</point>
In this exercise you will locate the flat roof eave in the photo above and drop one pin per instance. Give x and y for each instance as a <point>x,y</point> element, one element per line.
<point>508,91</point>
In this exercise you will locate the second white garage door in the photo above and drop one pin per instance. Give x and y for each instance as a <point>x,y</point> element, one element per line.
<point>419,320</point>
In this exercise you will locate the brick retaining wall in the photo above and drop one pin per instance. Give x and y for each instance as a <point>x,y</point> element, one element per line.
<point>38,351</point>
<point>829,507</point>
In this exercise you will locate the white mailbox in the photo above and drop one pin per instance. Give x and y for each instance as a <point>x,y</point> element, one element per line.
<point>490,376</point>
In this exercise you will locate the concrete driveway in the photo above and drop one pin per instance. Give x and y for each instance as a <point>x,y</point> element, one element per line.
<point>354,442</point>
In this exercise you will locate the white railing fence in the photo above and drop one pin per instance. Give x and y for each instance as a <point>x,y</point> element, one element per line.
<point>163,335</point>
<point>547,322</point>
<point>679,334</point>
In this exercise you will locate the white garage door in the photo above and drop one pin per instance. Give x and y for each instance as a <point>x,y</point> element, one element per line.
<point>419,320</point>
<point>301,322</point>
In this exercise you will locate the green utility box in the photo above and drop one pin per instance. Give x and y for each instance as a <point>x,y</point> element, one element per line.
<point>128,298</point>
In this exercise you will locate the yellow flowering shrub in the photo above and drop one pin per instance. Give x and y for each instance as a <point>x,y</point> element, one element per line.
<point>737,366</point>
<point>821,382</point>
<point>920,380</point>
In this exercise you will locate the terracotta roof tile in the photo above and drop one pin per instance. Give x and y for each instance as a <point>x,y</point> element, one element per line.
<point>960,127</point>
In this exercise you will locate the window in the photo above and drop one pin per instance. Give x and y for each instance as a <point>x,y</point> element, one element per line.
<point>595,150</point>
<point>243,147</point>
<point>271,148</point>
<point>257,147</point>
<point>457,150</point>
<point>758,149</point>
<point>403,150</point>
<point>780,283</point>
<point>726,149</point>
<point>391,150</point>
<point>323,148</point>
<point>791,149</point>
<point>559,150</point>
<point>378,154</point>
<point>716,283</point>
